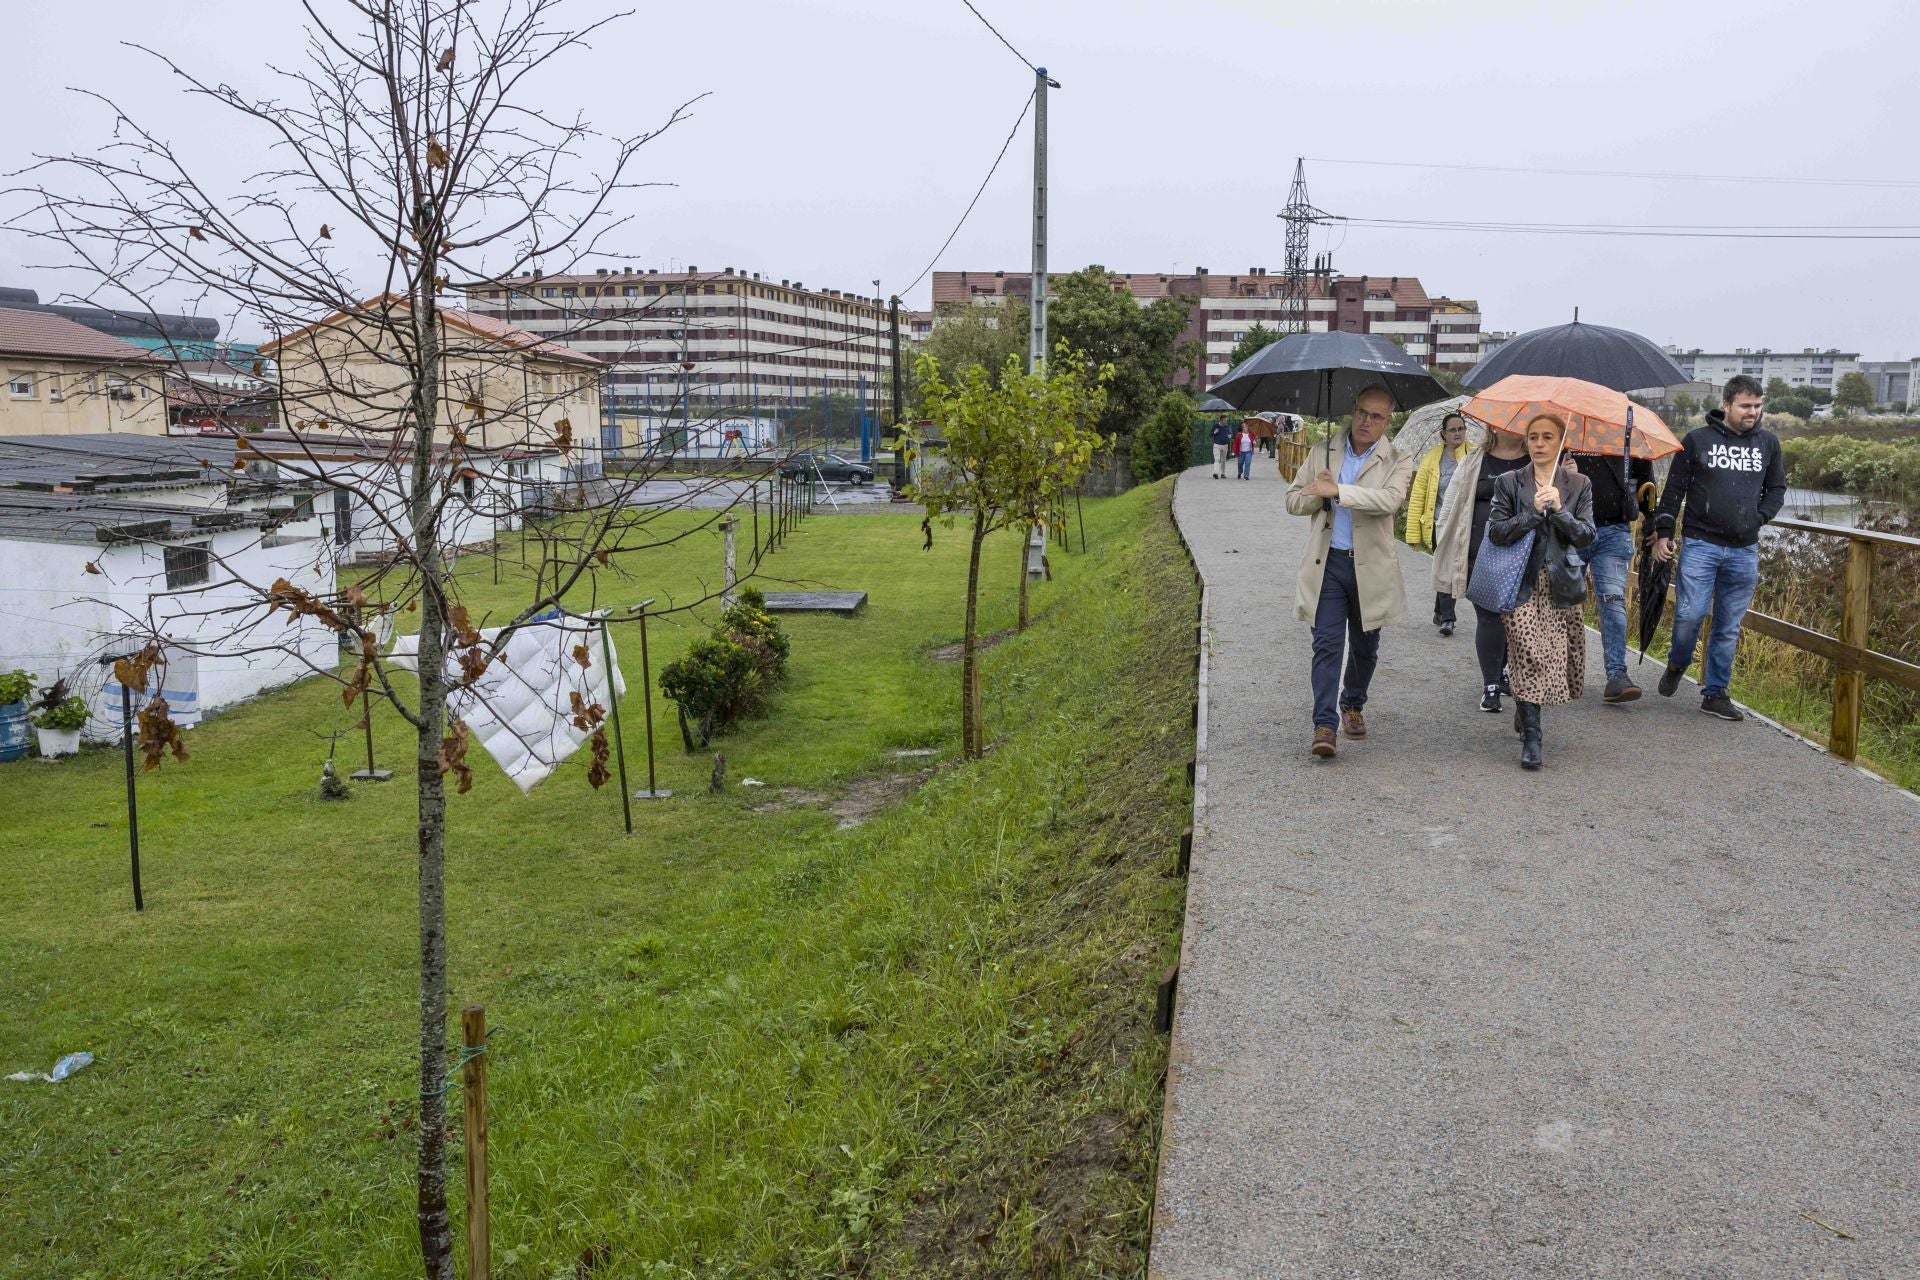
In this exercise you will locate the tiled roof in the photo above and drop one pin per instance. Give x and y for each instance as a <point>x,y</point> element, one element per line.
<point>103,462</point>
<point>483,326</point>
<point>41,333</point>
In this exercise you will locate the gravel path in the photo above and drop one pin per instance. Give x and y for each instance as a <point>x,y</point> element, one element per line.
<point>1651,1012</point>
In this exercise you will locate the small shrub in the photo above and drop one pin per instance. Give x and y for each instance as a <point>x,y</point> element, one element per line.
<point>728,676</point>
<point>15,686</point>
<point>1160,445</point>
<point>63,716</point>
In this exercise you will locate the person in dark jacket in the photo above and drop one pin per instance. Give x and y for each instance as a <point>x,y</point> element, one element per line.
<point>1617,486</point>
<point>1222,447</point>
<point>1731,479</point>
<point>1546,635</point>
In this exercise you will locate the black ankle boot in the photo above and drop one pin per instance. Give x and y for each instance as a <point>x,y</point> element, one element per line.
<point>1530,735</point>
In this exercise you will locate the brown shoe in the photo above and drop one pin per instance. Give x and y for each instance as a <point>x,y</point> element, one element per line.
<point>1352,723</point>
<point>1323,743</point>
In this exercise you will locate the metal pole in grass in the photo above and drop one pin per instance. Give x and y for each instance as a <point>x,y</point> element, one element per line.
<point>133,806</point>
<point>653,791</point>
<point>473,1098</point>
<point>613,714</point>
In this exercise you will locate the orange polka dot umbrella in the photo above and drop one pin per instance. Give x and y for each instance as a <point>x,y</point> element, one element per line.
<point>1599,419</point>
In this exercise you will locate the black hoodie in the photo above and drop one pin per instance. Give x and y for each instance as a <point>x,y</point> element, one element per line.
<point>1732,482</point>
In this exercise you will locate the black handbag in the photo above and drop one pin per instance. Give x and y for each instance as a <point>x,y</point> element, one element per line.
<point>1567,577</point>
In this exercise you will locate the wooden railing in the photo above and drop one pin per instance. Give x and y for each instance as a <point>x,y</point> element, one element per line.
<point>1852,659</point>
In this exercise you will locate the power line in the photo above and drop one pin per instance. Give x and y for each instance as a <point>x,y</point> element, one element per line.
<point>1602,229</point>
<point>1893,183</point>
<point>1026,107</point>
<point>1002,39</point>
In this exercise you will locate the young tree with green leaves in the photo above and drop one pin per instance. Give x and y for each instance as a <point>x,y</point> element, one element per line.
<point>966,336</point>
<point>1852,392</point>
<point>1777,387</point>
<point>1010,451</point>
<point>1094,313</point>
<point>1160,447</point>
<point>1255,339</point>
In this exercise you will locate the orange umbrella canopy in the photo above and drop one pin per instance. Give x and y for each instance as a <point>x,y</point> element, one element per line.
<point>1596,416</point>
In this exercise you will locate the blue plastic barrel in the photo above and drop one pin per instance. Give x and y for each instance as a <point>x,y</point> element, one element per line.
<point>13,730</point>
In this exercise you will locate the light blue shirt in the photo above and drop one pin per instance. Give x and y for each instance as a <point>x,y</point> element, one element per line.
<point>1350,464</point>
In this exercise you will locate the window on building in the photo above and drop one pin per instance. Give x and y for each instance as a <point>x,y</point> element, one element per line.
<point>20,386</point>
<point>630,291</point>
<point>569,292</point>
<point>549,293</point>
<point>187,566</point>
<point>466,487</point>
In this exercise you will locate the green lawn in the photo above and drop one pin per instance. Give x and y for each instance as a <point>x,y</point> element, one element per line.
<point>738,1043</point>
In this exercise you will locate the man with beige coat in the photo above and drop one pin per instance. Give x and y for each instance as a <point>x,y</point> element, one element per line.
<point>1350,584</point>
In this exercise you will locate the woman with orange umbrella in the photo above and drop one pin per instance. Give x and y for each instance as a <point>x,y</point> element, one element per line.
<point>1549,506</point>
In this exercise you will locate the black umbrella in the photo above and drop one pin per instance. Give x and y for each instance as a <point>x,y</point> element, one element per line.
<point>1319,374</point>
<point>1214,404</point>
<point>1654,577</point>
<point>1613,358</point>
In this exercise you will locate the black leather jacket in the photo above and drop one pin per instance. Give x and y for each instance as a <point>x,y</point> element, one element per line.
<point>1570,528</point>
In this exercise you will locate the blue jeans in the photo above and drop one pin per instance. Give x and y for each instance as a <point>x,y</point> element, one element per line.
<point>1246,465</point>
<point>1721,579</point>
<point>1609,556</point>
<point>1337,619</point>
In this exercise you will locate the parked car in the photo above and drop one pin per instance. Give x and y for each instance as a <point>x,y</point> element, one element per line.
<point>827,466</point>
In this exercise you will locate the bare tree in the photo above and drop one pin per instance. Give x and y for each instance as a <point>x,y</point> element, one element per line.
<point>409,156</point>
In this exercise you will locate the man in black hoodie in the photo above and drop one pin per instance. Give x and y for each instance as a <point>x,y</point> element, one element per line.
<point>1732,480</point>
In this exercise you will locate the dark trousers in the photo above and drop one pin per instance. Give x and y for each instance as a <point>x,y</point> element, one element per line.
<point>1489,644</point>
<point>1336,624</point>
<point>1443,607</point>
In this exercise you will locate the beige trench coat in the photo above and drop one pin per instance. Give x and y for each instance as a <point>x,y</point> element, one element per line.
<point>1376,494</point>
<point>1450,549</point>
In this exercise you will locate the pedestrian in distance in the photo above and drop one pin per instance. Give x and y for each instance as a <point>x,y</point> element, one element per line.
<point>1546,635</point>
<point>1350,585</point>
<point>1222,442</point>
<point>1430,481</point>
<point>1727,483</point>
<point>1457,541</point>
<point>1243,451</point>
<point>1618,485</point>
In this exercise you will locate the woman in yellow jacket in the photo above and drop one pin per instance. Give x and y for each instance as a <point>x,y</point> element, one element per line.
<point>1423,504</point>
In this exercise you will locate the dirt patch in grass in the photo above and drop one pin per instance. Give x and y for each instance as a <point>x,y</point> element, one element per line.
<point>955,651</point>
<point>861,800</point>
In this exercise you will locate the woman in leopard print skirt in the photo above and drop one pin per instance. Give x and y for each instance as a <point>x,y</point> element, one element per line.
<point>1546,639</point>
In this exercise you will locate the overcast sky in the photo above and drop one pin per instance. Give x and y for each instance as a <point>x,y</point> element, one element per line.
<point>842,138</point>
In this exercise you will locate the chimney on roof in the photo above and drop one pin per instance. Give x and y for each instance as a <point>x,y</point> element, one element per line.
<point>653,271</point>
<point>783,284</point>
<point>600,271</point>
<point>756,275</point>
<point>1200,271</point>
<point>729,271</point>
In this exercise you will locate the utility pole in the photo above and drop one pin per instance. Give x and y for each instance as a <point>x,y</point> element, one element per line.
<point>1301,217</point>
<point>1037,345</point>
<point>899,441</point>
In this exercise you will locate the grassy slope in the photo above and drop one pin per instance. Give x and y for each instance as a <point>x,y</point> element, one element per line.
<point>739,1043</point>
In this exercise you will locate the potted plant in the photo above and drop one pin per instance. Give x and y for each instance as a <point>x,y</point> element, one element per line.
<point>14,688</point>
<point>58,718</point>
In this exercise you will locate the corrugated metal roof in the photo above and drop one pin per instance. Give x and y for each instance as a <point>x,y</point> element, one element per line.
<point>91,519</point>
<point>103,463</point>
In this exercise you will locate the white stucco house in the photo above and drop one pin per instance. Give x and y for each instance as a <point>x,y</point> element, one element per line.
<point>100,551</point>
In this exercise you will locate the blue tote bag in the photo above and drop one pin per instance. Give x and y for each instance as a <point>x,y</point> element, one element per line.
<point>1498,573</point>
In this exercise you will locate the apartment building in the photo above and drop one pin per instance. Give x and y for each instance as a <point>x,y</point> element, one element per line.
<point>1808,367</point>
<point>690,356</point>
<point>1441,332</point>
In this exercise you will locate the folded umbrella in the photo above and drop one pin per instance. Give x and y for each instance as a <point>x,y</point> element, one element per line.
<point>1653,578</point>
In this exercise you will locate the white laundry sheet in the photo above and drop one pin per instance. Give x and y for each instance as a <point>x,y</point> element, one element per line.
<point>521,708</point>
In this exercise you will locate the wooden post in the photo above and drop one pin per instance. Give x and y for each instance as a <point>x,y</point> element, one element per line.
<point>1856,613</point>
<point>473,1091</point>
<point>727,527</point>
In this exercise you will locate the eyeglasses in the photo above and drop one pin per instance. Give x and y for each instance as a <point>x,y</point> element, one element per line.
<point>1368,415</point>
